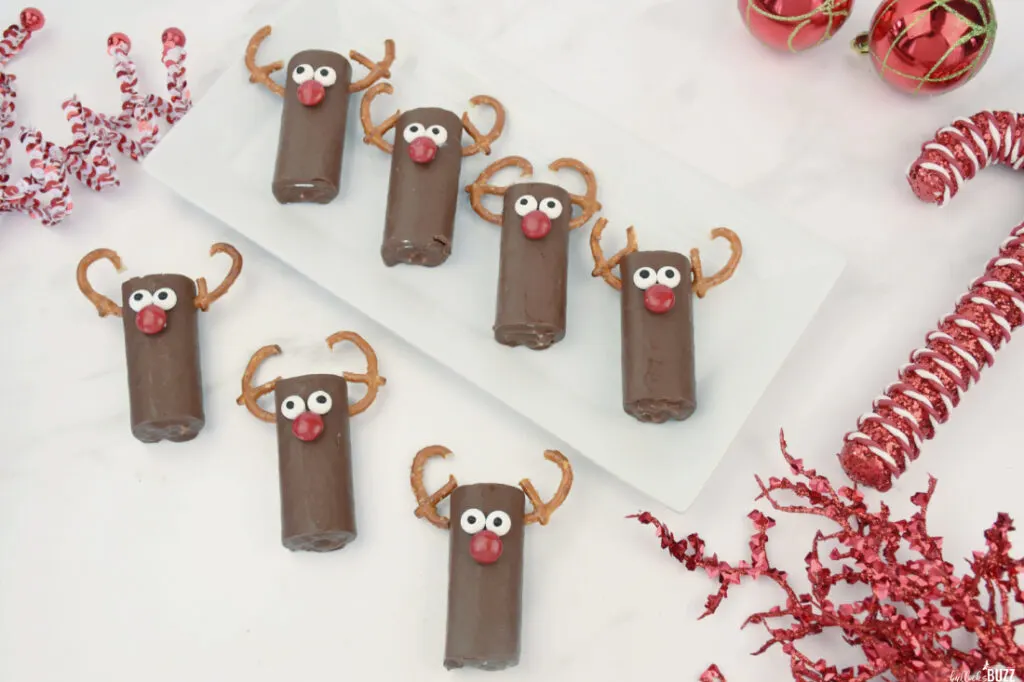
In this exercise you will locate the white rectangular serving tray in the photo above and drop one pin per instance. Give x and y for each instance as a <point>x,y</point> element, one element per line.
<point>221,158</point>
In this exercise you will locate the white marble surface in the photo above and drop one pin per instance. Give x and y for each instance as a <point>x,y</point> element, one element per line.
<point>123,561</point>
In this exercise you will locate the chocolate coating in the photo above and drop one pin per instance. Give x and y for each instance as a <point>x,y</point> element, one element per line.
<point>658,370</point>
<point>309,150</point>
<point>485,602</point>
<point>420,219</point>
<point>532,273</point>
<point>165,385</point>
<point>317,503</point>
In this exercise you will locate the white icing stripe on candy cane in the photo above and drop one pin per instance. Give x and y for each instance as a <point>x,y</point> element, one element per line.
<point>928,165</point>
<point>993,312</point>
<point>951,343</point>
<point>946,365</point>
<point>871,416</point>
<point>944,150</point>
<point>865,440</point>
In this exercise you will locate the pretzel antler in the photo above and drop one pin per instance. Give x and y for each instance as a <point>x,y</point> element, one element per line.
<point>261,74</point>
<point>588,203</point>
<point>482,143</point>
<point>701,284</point>
<point>104,305</point>
<point>372,379</point>
<point>542,510</point>
<point>375,134</point>
<point>603,268</point>
<point>377,70</point>
<point>250,393</point>
<point>204,299</point>
<point>479,187</point>
<point>426,504</point>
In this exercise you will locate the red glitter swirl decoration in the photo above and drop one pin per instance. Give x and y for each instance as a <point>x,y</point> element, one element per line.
<point>932,383</point>
<point>45,193</point>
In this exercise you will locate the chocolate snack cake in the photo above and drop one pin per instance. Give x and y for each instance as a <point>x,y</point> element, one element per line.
<point>656,294</point>
<point>160,315</point>
<point>426,159</point>
<point>533,260</point>
<point>485,559</point>
<point>314,113</point>
<point>312,415</point>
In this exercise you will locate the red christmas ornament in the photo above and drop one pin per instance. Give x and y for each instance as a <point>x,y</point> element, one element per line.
<point>794,25</point>
<point>929,46</point>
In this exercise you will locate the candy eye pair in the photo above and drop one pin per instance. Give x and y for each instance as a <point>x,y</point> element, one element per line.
<point>437,134</point>
<point>163,298</point>
<point>645,277</point>
<point>323,75</point>
<point>527,203</point>
<point>473,521</point>
<point>319,403</point>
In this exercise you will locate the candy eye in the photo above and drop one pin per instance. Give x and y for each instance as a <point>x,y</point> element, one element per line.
<point>669,276</point>
<point>325,76</point>
<point>139,299</point>
<point>438,134</point>
<point>472,521</point>
<point>552,208</point>
<point>320,402</point>
<point>645,278</point>
<point>302,73</point>
<point>292,407</point>
<point>412,131</point>
<point>165,298</point>
<point>499,523</point>
<point>525,204</point>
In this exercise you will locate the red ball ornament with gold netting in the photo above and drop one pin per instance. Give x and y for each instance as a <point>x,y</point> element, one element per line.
<point>929,47</point>
<point>794,25</point>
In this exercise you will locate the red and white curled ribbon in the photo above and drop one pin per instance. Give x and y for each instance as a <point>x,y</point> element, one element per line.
<point>932,383</point>
<point>45,193</point>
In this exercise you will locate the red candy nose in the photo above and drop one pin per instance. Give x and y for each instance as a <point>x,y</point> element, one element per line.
<point>422,150</point>
<point>311,93</point>
<point>535,225</point>
<point>659,299</point>
<point>308,426</point>
<point>151,319</point>
<point>485,547</point>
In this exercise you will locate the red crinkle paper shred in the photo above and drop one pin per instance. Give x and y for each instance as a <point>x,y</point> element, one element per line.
<point>45,193</point>
<point>937,374</point>
<point>916,611</point>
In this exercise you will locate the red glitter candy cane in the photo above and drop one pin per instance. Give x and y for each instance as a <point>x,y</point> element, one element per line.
<point>931,384</point>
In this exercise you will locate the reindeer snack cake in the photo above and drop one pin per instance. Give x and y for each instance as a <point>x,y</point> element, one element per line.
<point>161,339</point>
<point>314,451</point>
<point>656,292</point>
<point>533,263</point>
<point>316,97</point>
<point>485,558</point>
<point>426,159</point>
